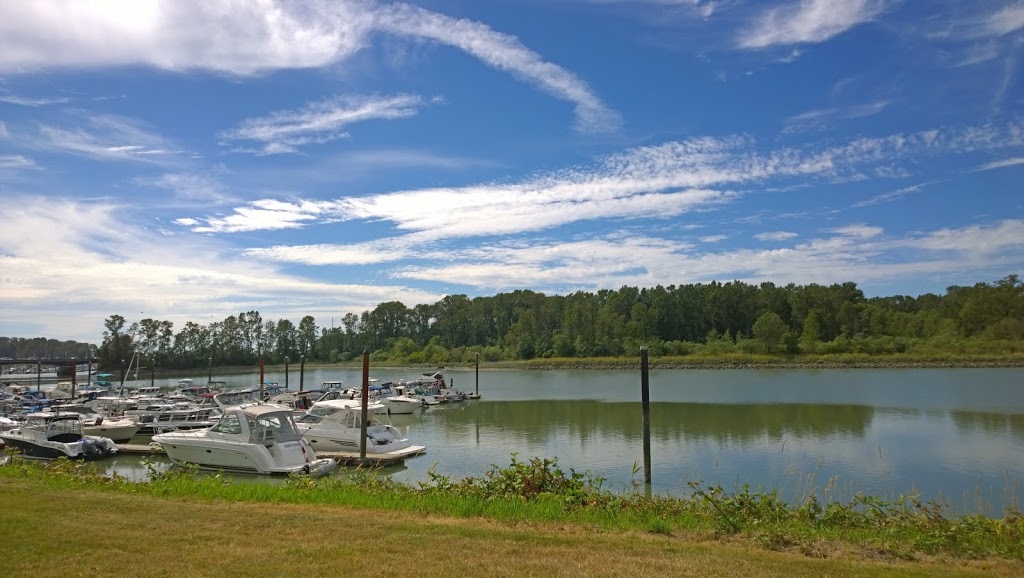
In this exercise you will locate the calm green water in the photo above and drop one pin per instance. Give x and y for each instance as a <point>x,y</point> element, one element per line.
<point>952,434</point>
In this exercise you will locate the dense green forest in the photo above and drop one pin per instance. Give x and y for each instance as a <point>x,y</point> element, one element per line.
<point>43,348</point>
<point>685,320</point>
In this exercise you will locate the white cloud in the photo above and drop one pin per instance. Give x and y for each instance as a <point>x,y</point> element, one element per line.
<point>816,119</point>
<point>713,238</point>
<point>319,122</point>
<point>775,236</point>
<point>121,267</point>
<point>110,137</point>
<point>808,21</point>
<point>1006,20</point>
<point>3,130</point>
<point>890,196</point>
<point>260,36</point>
<point>1011,162</point>
<point>976,240</point>
<point>860,231</point>
<point>24,101</point>
<point>16,162</point>
<point>978,250</point>
<point>660,181</point>
<point>504,52</point>
<point>190,187</point>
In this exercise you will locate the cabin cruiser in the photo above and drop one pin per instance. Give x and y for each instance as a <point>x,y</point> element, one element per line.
<point>254,438</point>
<point>94,424</point>
<point>336,425</point>
<point>56,435</point>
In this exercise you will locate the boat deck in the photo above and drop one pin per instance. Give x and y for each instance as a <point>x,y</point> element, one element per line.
<point>343,458</point>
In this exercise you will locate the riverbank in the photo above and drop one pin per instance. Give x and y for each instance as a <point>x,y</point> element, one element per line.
<point>321,527</point>
<point>722,361</point>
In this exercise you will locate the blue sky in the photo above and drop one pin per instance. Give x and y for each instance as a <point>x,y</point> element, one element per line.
<point>190,160</point>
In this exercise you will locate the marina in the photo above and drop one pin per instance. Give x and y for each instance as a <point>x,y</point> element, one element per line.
<point>951,434</point>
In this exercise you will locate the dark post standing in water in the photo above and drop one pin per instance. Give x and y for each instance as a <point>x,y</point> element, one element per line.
<point>645,399</point>
<point>152,373</point>
<point>366,397</point>
<point>478,374</point>
<point>286,374</point>
<point>74,370</point>
<point>209,369</point>
<point>263,389</point>
<point>302,372</point>
<point>39,375</point>
<point>122,374</point>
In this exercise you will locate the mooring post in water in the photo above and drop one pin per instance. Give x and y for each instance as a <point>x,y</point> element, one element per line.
<point>366,397</point>
<point>209,369</point>
<point>302,372</point>
<point>286,373</point>
<point>263,388</point>
<point>478,375</point>
<point>73,381</point>
<point>39,375</point>
<point>645,400</point>
<point>152,373</point>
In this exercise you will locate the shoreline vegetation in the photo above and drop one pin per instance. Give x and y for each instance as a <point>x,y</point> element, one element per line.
<point>722,362</point>
<point>564,522</point>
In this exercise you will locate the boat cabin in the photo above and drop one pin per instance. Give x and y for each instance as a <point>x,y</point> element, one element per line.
<point>258,424</point>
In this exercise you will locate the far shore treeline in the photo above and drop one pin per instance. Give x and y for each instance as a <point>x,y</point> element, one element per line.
<point>700,320</point>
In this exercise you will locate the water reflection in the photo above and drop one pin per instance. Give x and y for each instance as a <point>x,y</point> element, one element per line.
<point>951,434</point>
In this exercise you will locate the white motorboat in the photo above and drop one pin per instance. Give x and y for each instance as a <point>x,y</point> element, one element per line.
<point>395,401</point>
<point>163,417</point>
<point>254,438</point>
<point>336,425</point>
<point>94,424</point>
<point>57,435</point>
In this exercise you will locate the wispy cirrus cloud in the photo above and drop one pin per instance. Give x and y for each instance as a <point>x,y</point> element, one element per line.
<point>320,122</point>
<point>890,196</point>
<point>818,119</point>
<point>1011,162</point>
<point>656,182</point>
<point>17,162</point>
<point>713,238</point>
<point>775,236</point>
<point>1004,21</point>
<point>33,102</point>
<point>807,21</point>
<point>110,137</point>
<point>192,187</point>
<point>182,35</point>
<point>607,261</point>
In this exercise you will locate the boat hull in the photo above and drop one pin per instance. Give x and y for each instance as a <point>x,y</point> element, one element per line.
<point>242,458</point>
<point>87,450</point>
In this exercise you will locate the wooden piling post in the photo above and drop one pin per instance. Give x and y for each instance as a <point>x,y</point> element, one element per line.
<point>478,374</point>
<point>302,372</point>
<point>263,388</point>
<point>286,373</point>
<point>366,400</point>
<point>645,399</point>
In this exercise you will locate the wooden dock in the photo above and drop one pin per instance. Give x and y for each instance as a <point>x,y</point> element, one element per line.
<point>343,458</point>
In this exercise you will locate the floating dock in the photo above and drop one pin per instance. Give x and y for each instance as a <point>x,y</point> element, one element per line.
<point>343,458</point>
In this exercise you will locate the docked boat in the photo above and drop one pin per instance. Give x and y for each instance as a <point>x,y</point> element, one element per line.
<point>395,401</point>
<point>254,438</point>
<point>94,424</point>
<point>336,425</point>
<point>157,415</point>
<point>57,435</point>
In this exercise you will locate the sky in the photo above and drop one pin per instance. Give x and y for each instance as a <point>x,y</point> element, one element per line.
<point>188,160</point>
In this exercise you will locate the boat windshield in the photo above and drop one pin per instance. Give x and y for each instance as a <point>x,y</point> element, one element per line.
<point>228,424</point>
<point>273,427</point>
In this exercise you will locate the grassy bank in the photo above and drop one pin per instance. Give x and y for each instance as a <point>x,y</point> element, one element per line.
<point>546,520</point>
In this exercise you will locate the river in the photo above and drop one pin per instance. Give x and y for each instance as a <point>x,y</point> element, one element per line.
<point>955,435</point>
